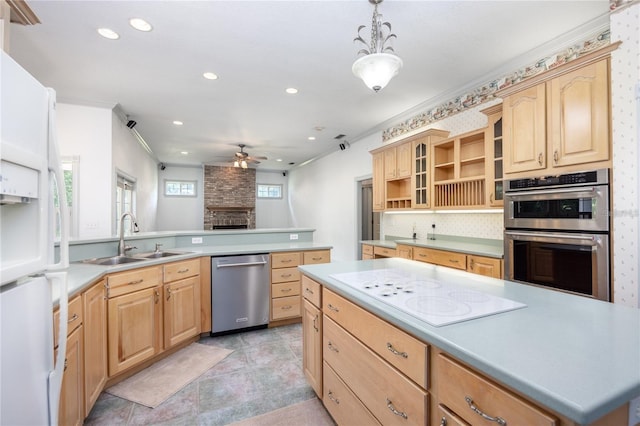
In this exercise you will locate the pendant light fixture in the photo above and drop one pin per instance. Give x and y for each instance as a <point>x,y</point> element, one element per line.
<point>380,63</point>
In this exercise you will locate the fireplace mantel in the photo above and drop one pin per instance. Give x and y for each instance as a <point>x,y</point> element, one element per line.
<point>230,209</point>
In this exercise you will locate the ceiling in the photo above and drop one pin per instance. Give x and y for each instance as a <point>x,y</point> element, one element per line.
<point>260,48</point>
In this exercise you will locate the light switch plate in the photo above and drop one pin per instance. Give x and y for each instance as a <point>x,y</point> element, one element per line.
<point>196,240</point>
<point>293,236</point>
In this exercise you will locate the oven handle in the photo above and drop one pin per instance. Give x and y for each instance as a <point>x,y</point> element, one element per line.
<point>590,189</point>
<point>559,236</point>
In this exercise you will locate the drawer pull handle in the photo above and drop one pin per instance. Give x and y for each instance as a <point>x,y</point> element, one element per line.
<point>135,282</point>
<point>315,325</point>
<point>333,398</point>
<point>182,271</point>
<point>499,420</point>
<point>332,308</point>
<point>308,290</point>
<point>66,364</point>
<point>316,258</point>
<point>422,255</point>
<point>333,348</point>
<point>285,275</point>
<point>396,352</point>
<point>287,307</point>
<point>555,156</point>
<point>471,264</point>
<point>443,421</point>
<point>156,297</point>
<point>394,411</point>
<point>286,290</point>
<point>286,261</point>
<point>73,318</point>
<point>168,293</point>
<point>540,159</point>
<point>454,261</point>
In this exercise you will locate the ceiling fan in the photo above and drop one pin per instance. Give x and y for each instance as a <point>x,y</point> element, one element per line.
<point>242,158</point>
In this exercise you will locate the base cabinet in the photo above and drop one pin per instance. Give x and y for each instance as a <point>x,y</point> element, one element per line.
<point>95,343</point>
<point>71,396</point>
<point>181,311</point>
<point>312,345</point>
<point>343,405</point>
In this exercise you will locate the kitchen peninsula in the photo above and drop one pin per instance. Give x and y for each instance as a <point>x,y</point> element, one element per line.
<point>560,360</point>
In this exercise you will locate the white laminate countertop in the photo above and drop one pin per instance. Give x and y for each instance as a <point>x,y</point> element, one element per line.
<point>577,356</point>
<point>81,275</point>
<point>475,246</point>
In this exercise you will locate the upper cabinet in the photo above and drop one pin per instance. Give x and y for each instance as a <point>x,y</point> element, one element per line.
<point>559,119</point>
<point>494,173</point>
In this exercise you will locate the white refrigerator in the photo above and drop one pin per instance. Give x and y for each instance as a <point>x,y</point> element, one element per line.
<point>30,280</point>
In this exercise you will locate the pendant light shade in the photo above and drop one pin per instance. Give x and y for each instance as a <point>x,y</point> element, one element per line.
<point>377,69</point>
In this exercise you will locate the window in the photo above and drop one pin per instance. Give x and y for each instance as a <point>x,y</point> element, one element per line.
<point>125,201</point>
<point>180,188</point>
<point>269,191</point>
<point>70,176</point>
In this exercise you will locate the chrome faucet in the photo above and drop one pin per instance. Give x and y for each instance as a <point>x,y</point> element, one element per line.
<point>122,248</point>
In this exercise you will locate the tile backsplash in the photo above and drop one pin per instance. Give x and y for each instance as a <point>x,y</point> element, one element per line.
<point>476,225</point>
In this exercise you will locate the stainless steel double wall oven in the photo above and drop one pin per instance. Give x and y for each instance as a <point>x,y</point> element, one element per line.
<point>557,232</point>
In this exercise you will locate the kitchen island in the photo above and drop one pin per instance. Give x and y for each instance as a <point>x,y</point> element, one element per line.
<point>574,358</point>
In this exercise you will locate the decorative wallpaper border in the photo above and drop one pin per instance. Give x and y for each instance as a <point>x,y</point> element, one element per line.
<point>487,91</point>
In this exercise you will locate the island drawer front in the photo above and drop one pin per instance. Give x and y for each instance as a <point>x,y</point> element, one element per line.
<point>448,418</point>
<point>179,270</point>
<point>406,353</point>
<point>367,249</point>
<point>440,257</point>
<point>285,307</point>
<point>311,291</point>
<point>456,383</point>
<point>285,289</point>
<point>316,256</point>
<point>390,396</point>
<point>285,260</point>
<point>285,275</point>
<point>345,408</point>
<point>134,280</point>
<point>74,318</point>
<point>383,251</point>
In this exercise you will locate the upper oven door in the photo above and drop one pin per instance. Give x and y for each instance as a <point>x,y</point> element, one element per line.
<point>584,208</point>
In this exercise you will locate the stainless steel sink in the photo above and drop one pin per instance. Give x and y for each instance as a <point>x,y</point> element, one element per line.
<point>159,254</point>
<point>113,260</point>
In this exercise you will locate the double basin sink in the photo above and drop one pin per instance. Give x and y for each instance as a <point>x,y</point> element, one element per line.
<point>119,260</point>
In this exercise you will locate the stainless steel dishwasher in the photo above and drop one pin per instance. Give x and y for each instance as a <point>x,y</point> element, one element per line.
<point>239,292</point>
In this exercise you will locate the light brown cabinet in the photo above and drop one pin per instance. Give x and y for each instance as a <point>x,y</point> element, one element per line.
<point>379,252</point>
<point>397,161</point>
<point>181,301</point>
<point>367,251</point>
<point>378,182</point>
<point>494,173</point>
<point>134,317</point>
<point>487,266</point>
<point>312,345</point>
<point>405,252</point>
<point>481,265</point>
<point>561,121</point>
<point>95,343</point>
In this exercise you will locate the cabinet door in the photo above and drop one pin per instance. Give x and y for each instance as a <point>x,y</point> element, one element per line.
<point>390,171</point>
<point>420,181</point>
<point>524,126</point>
<point>95,339</point>
<point>403,160</point>
<point>486,266</point>
<point>135,328</point>
<point>312,346</point>
<point>579,116</point>
<point>181,311</point>
<point>71,397</point>
<point>405,252</point>
<point>378,182</point>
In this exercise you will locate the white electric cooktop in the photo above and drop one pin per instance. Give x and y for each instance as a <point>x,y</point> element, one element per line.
<point>429,300</point>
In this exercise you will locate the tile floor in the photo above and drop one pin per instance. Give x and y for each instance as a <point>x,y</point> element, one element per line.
<point>263,373</point>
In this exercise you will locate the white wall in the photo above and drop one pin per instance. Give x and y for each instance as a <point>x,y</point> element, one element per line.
<point>181,213</point>
<point>85,132</point>
<point>130,158</point>
<point>272,213</point>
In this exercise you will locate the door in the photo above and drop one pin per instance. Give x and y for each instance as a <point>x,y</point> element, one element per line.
<point>181,311</point>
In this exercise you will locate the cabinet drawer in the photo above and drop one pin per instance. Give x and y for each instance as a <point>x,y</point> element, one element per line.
<point>285,307</point>
<point>134,280</point>
<point>487,266</point>
<point>317,256</point>
<point>383,251</point>
<point>405,252</point>
<point>459,388</point>
<point>367,249</point>
<point>284,260</point>
<point>285,275</point>
<point>342,404</point>
<point>285,289</point>
<point>406,353</point>
<point>447,418</point>
<point>180,270</point>
<point>311,291</point>
<point>391,397</point>
<point>440,257</point>
<point>74,319</point>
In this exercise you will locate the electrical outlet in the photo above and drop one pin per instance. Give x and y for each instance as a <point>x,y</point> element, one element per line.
<point>634,412</point>
<point>293,236</point>
<point>196,240</point>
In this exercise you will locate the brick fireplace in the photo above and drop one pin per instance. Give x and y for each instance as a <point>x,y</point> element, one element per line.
<point>229,197</point>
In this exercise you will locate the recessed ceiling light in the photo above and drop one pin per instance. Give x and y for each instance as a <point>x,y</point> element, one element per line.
<point>210,76</point>
<point>312,138</point>
<point>178,122</point>
<point>291,90</point>
<point>108,33</point>
<point>278,159</point>
<point>140,24</point>
<point>184,152</point>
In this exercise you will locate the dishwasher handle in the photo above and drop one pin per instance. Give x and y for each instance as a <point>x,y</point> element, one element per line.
<point>232,265</point>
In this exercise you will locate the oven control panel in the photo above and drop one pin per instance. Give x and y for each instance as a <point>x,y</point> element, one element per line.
<point>595,177</point>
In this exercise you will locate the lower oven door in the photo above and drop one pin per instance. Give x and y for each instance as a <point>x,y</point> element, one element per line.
<point>576,263</point>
